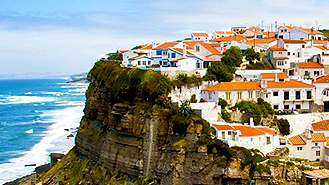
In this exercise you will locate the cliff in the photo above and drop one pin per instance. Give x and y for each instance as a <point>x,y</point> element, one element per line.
<point>131,133</point>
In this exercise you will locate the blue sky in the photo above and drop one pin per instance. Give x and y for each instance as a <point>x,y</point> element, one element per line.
<point>68,36</point>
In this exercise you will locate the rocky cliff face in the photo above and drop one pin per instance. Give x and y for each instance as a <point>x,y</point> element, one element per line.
<point>130,128</point>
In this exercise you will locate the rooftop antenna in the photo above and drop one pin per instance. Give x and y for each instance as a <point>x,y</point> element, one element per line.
<point>316,25</point>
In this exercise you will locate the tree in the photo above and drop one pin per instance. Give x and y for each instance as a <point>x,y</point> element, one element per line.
<point>193,99</point>
<point>232,57</point>
<point>252,55</point>
<point>220,72</point>
<point>222,103</point>
<point>284,126</point>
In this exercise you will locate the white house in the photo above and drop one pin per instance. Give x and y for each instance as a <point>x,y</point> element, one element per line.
<point>278,57</point>
<point>288,94</point>
<point>174,54</point>
<point>299,33</point>
<point>217,34</point>
<point>263,138</point>
<point>321,127</point>
<point>284,32</point>
<point>204,36</point>
<point>230,40</point>
<point>232,92</point>
<point>309,70</point>
<point>322,92</point>
<point>140,61</point>
<point>308,146</point>
<point>160,53</point>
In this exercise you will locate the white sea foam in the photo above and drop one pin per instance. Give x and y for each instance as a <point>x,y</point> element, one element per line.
<point>54,140</point>
<point>24,99</point>
<point>28,93</point>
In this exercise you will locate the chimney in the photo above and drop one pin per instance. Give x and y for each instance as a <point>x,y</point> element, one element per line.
<point>307,133</point>
<point>251,121</point>
<point>263,83</point>
<point>276,77</point>
<point>184,50</point>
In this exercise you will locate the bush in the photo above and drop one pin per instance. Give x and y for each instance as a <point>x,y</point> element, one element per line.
<point>193,99</point>
<point>283,125</point>
<point>222,103</point>
<point>226,116</point>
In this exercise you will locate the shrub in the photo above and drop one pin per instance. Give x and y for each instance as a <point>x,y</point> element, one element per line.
<point>283,125</point>
<point>222,103</point>
<point>193,99</point>
<point>226,116</point>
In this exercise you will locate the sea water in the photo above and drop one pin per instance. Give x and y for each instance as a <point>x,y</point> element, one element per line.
<point>37,117</point>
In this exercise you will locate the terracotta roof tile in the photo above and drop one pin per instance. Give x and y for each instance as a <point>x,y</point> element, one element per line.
<point>309,65</point>
<point>287,84</point>
<point>230,38</point>
<point>323,173</point>
<point>166,45</point>
<point>275,48</point>
<point>322,79</point>
<point>289,27</point>
<point>123,51</point>
<point>224,32</point>
<point>180,50</point>
<point>272,75</point>
<point>281,58</point>
<point>223,127</point>
<point>210,48</point>
<point>234,86</point>
<point>296,140</point>
<point>318,137</point>
<point>253,28</point>
<point>290,41</point>
<point>200,34</point>
<point>310,31</point>
<point>147,47</point>
<point>319,41</point>
<point>248,131</point>
<point>321,125</point>
<point>135,57</point>
<point>327,141</point>
<point>267,130</point>
<point>321,47</point>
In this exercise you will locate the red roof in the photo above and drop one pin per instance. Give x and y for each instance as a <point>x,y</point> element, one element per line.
<point>272,75</point>
<point>321,125</point>
<point>267,130</point>
<point>309,65</point>
<point>166,45</point>
<point>275,48</point>
<point>210,48</point>
<point>234,86</point>
<point>281,58</point>
<point>225,32</point>
<point>229,38</point>
<point>200,34</point>
<point>248,131</point>
<point>290,41</point>
<point>310,31</point>
<point>296,140</point>
<point>223,127</point>
<point>287,84</point>
<point>322,79</point>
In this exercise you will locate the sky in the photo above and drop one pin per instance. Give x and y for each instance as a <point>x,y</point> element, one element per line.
<point>69,36</point>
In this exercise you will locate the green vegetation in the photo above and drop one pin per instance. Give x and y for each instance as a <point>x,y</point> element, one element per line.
<point>193,99</point>
<point>251,157</point>
<point>181,143</point>
<point>222,103</point>
<point>258,65</point>
<point>252,55</point>
<point>181,118</point>
<point>325,32</point>
<point>256,110</point>
<point>114,56</point>
<point>226,116</point>
<point>283,125</point>
<point>129,84</point>
<point>183,79</point>
<point>222,71</point>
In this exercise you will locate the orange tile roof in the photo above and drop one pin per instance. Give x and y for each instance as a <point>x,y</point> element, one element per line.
<point>272,75</point>
<point>290,41</point>
<point>265,40</point>
<point>123,51</point>
<point>224,32</point>
<point>180,50</point>
<point>321,47</point>
<point>251,43</point>
<point>310,31</point>
<point>248,131</point>
<point>138,56</point>
<point>296,140</point>
<point>275,48</point>
<point>210,48</point>
<point>323,173</point>
<point>166,45</point>
<point>268,34</point>
<point>200,34</point>
<point>147,47</point>
<point>322,79</point>
<point>287,84</point>
<point>321,125</point>
<point>234,86</point>
<point>190,44</point>
<point>319,41</point>
<point>289,27</point>
<point>229,38</point>
<point>318,137</point>
<point>223,127</point>
<point>253,28</point>
<point>280,58</point>
<point>309,65</point>
<point>267,130</point>
<point>327,141</point>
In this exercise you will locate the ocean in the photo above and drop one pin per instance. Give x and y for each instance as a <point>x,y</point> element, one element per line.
<point>37,117</point>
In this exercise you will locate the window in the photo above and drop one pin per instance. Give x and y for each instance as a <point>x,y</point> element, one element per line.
<point>297,95</point>
<point>303,46</point>
<point>275,93</point>
<point>280,63</point>
<point>286,95</point>
<point>317,153</point>
<point>316,73</point>
<point>229,133</point>
<point>281,80</point>
<point>223,135</point>
<point>139,62</point>
<point>144,62</point>
<point>309,94</point>
<point>288,53</point>
<point>159,52</point>
<point>149,62</point>
<point>251,139</point>
<point>250,93</point>
<point>286,107</point>
<point>315,144</point>
<point>173,55</point>
<point>307,73</point>
<point>228,95</point>
<point>280,52</point>
<point>299,148</point>
<point>268,140</point>
<point>276,107</point>
<point>165,53</point>
<point>297,106</point>
<point>197,48</point>
<point>210,95</point>
<point>239,95</point>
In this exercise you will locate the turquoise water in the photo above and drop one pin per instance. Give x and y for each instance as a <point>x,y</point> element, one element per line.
<point>36,116</point>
